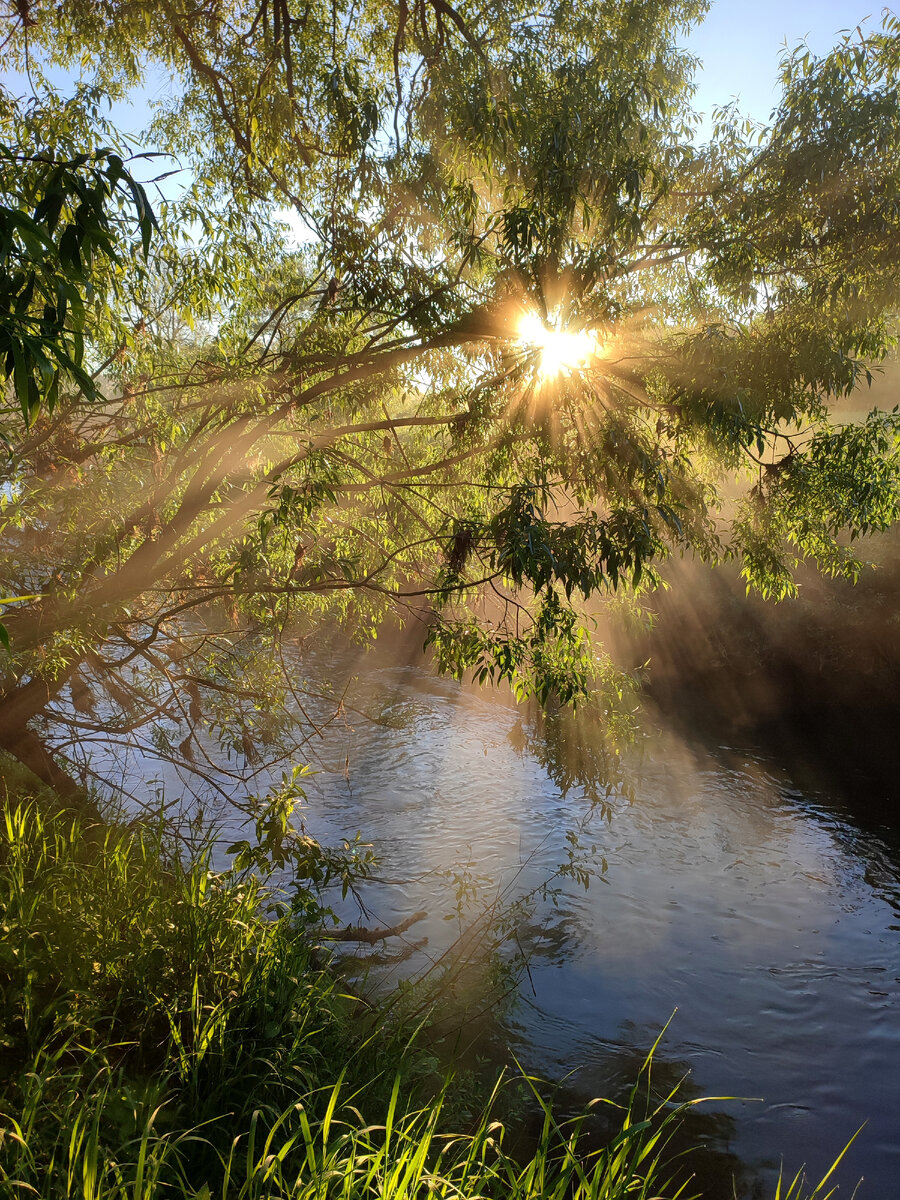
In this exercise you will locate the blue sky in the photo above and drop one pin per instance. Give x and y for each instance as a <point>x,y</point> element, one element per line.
<point>740,43</point>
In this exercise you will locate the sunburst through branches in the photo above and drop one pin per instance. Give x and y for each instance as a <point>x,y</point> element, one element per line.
<point>560,348</point>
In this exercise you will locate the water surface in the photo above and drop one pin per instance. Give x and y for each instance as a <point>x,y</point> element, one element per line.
<point>766,915</point>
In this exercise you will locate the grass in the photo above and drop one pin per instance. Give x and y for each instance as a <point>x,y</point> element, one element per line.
<point>168,1031</point>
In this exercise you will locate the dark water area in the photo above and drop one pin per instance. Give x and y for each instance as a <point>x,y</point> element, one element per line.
<point>813,683</point>
<point>747,893</point>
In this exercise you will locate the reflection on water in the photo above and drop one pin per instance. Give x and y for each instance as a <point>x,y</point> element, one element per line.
<point>763,915</point>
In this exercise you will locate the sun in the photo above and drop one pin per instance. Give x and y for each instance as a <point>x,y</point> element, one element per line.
<point>561,350</point>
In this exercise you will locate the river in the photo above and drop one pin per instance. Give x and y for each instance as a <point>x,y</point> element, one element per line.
<point>761,917</point>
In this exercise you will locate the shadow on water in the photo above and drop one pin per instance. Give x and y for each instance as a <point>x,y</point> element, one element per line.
<point>699,1150</point>
<point>706,1133</point>
<point>813,683</point>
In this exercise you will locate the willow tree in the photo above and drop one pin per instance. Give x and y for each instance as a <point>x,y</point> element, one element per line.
<point>522,334</point>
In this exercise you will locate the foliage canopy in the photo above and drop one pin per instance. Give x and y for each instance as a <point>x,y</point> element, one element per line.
<point>314,399</point>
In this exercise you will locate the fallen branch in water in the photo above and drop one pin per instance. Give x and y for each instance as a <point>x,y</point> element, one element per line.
<point>359,933</point>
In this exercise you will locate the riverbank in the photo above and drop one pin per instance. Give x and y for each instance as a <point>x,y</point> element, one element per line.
<point>168,1030</point>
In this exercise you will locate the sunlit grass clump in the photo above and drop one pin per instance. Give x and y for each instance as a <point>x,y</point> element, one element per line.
<point>166,1032</point>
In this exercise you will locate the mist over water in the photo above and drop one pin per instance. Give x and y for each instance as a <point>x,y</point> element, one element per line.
<point>747,885</point>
